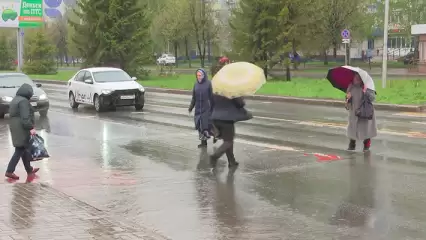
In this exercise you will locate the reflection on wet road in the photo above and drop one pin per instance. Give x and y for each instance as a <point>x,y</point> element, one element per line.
<point>295,180</point>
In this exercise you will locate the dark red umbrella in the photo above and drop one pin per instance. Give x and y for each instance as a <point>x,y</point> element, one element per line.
<point>341,77</point>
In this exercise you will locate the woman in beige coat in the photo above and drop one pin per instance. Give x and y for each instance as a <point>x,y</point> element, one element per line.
<point>358,128</point>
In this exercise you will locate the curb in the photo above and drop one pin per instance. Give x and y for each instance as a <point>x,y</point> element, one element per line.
<point>311,101</point>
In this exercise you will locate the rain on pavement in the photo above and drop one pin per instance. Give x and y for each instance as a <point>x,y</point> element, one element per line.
<point>295,180</point>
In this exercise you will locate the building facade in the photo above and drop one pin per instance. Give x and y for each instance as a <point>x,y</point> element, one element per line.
<point>400,41</point>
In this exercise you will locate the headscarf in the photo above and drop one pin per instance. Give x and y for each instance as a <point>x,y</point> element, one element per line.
<point>204,74</point>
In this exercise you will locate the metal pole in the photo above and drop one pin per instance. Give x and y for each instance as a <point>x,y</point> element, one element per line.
<point>346,54</point>
<point>385,45</point>
<point>21,48</point>
<point>18,50</point>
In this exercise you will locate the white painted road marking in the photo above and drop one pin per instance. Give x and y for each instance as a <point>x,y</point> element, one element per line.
<point>411,114</point>
<point>266,145</point>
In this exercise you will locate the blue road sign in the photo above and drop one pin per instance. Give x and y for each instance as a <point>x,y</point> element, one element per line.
<point>346,34</point>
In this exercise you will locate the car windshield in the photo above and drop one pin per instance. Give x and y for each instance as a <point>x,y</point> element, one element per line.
<point>111,76</point>
<point>14,81</point>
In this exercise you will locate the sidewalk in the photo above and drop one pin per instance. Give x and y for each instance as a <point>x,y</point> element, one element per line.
<point>35,211</point>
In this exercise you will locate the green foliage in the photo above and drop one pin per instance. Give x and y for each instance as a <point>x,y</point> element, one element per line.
<point>329,18</point>
<point>58,32</point>
<point>39,54</point>
<point>203,25</point>
<point>84,23</point>
<point>262,31</point>
<point>6,56</point>
<point>113,33</point>
<point>170,27</point>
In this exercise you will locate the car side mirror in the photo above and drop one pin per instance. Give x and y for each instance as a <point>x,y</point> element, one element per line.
<point>88,81</point>
<point>134,78</point>
<point>38,85</point>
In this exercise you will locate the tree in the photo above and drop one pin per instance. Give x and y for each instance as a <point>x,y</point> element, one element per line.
<point>6,56</point>
<point>71,46</point>
<point>171,28</point>
<point>200,12</point>
<point>58,31</point>
<point>88,13</point>
<point>331,17</point>
<point>113,33</point>
<point>39,54</point>
<point>262,32</point>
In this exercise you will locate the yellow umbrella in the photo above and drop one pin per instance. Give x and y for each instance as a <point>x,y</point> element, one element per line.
<point>238,79</point>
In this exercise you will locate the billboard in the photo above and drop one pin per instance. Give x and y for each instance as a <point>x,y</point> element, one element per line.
<point>21,13</point>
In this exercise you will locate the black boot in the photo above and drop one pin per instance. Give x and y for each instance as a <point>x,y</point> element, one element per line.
<point>203,144</point>
<point>233,163</point>
<point>213,161</point>
<point>352,145</point>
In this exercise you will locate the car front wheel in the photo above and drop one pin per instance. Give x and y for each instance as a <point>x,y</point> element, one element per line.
<point>139,106</point>
<point>98,104</point>
<point>73,103</point>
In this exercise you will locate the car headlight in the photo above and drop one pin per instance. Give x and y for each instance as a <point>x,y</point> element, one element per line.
<point>43,97</point>
<point>7,99</point>
<point>106,91</point>
<point>142,89</point>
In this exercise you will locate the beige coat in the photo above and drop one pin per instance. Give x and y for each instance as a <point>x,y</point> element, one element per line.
<point>360,129</point>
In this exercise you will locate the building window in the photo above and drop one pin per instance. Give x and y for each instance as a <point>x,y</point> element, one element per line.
<point>400,42</point>
<point>370,44</point>
<point>404,42</point>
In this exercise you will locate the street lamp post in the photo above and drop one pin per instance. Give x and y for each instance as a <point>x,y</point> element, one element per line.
<point>385,44</point>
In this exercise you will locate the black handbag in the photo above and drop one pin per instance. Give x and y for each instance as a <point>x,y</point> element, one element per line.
<point>366,109</point>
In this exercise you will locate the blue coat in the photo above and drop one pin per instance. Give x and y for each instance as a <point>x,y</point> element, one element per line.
<point>202,100</point>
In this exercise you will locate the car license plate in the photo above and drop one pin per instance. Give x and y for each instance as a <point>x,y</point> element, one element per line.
<point>128,97</point>
<point>34,104</point>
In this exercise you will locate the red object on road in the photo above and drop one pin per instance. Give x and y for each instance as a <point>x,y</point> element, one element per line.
<point>326,157</point>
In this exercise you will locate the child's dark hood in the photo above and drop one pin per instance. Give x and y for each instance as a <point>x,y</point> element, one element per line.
<point>25,91</point>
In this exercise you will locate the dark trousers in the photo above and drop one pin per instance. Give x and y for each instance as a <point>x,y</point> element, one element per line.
<point>20,153</point>
<point>227,133</point>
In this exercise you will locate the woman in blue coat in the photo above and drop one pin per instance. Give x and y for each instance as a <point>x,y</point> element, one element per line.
<point>202,100</point>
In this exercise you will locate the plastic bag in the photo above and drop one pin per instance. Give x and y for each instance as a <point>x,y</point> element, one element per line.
<point>37,148</point>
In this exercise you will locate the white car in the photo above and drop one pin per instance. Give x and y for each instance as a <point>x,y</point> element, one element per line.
<point>105,88</point>
<point>166,59</point>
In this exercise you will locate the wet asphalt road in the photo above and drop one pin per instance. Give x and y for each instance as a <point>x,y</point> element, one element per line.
<point>295,181</point>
